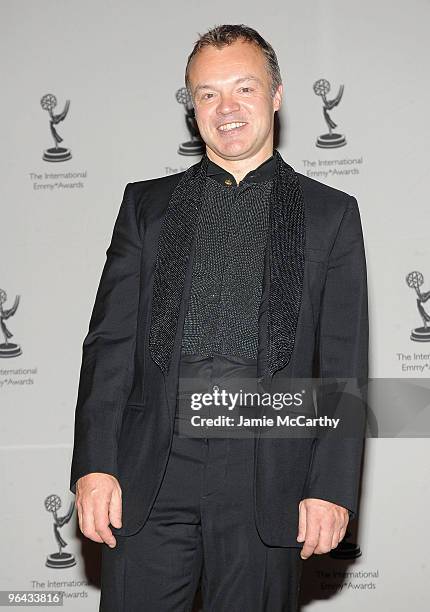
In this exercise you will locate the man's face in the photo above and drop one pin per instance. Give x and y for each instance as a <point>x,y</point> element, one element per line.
<point>233,100</point>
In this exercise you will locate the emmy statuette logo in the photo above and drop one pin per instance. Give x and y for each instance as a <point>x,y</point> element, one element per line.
<point>60,559</point>
<point>414,280</point>
<point>8,349</point>
<point>195,146</point>
<point>331,140</point>
<point>56,153</point>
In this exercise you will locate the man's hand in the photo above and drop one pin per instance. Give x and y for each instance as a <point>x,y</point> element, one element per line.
<point>322,525</point>
<point>98,502</point>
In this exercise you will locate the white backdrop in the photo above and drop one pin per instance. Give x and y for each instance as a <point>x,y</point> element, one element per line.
<point>120,65</point>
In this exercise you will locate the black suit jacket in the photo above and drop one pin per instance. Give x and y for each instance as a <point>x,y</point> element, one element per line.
<point>129,374</point>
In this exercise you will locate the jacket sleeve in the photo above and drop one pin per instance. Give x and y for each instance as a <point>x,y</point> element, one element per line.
<point>343,367</point>
<point>108,350</point>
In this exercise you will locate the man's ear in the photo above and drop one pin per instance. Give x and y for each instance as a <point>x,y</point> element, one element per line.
<point>277,98</point>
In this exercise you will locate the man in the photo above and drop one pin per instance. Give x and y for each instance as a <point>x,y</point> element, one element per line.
<point>238,267</point>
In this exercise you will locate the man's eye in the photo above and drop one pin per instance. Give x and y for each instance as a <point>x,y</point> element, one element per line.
<point>246,89</point>
<point>207,96</point>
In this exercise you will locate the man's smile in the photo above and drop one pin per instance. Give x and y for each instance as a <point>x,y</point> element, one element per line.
<point>228,127</point>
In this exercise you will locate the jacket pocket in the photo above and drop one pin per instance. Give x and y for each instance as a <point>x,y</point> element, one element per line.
<point>136,405</point>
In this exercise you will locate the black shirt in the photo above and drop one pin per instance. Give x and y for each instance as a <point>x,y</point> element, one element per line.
<point>228,266</point>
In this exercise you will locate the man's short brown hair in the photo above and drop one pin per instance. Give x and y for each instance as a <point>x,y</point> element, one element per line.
<point>224,35</point>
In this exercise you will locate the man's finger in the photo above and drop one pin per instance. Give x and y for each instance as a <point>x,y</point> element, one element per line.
<point>335,539</point>
<point>339,532</point>
<point>342,533</point>
<point>312,537</point>
<point>88,526</point>
<point>327,531</point>
<point>101,523</point>
<point>301,534</point>
<point>115,508</point>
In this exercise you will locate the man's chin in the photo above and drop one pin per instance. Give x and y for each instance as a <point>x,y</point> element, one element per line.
<point>232,151</point>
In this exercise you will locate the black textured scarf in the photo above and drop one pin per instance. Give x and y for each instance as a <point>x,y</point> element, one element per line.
<point>287,257</point>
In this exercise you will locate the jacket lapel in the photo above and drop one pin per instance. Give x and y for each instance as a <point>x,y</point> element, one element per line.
<point>287,263</point>
<point>283,277</point>
<point>173,255</point>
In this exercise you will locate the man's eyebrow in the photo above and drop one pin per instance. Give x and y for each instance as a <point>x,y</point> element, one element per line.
<point>249,77</point>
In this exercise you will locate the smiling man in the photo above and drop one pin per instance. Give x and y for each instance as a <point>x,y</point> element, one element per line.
<point>235,96</point>
<point>239,267</point>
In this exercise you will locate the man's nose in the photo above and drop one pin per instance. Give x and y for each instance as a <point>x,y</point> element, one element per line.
<point>227,104</point>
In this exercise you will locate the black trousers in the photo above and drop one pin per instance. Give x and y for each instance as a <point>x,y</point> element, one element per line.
<point>201,529</point>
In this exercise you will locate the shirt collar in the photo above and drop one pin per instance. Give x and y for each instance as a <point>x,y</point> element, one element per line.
<point>264,172</point>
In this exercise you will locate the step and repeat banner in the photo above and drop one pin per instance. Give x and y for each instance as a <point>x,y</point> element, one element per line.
<point>93,98</point>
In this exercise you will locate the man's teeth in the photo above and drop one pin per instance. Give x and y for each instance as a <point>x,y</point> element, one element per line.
<point>230,126</point>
